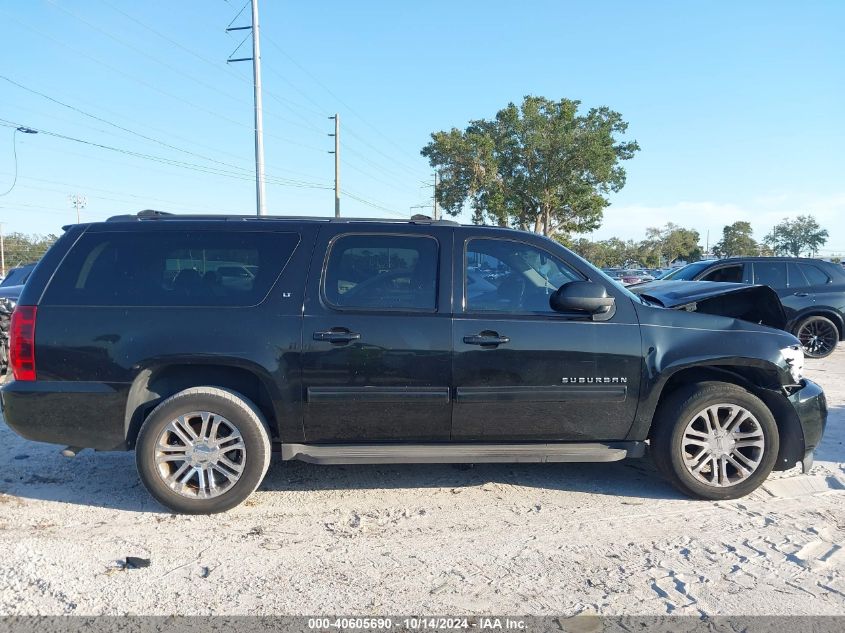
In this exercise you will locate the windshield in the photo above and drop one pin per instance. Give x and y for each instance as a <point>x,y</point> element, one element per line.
<point>688,272</point>
<point>16,277</point>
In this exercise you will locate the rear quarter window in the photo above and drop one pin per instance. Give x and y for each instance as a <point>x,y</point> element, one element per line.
<point>171,268</point>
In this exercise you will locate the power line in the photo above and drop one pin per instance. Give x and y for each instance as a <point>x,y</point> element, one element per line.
<point>140,135</point>
<point>346,106</point>
<point>166,161</point>
<point>154,87</point>
<point>24,130</point>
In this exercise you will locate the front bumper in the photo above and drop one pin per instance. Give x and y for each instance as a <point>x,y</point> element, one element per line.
<point>810,407</point>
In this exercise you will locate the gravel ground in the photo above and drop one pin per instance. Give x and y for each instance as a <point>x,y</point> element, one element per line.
<point>425,539</point>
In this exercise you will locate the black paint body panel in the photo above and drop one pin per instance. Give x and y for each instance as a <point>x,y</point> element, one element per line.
<point>410,377</point>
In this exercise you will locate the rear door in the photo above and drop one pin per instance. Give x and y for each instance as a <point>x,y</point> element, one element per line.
<point>377,334</point>
<point>523,372</point>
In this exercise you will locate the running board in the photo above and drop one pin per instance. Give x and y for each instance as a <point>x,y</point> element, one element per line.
<point>461,453</point>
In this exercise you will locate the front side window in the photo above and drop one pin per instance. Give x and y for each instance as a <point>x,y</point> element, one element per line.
<point>378,272</point>
<point>171,268</point>
<point>728,274</point>
<point>509,276</point>
<point>772,274</point>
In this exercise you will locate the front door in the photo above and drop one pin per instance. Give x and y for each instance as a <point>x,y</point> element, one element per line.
<point>523,372</point>
<point>376,335</point>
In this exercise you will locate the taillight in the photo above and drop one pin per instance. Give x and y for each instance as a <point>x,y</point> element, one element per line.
<point>22,343</point>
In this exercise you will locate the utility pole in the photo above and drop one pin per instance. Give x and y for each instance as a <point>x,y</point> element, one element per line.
<point>260,204</point>
<point>2,253</point>
<point>78,202</point>
<point>336,153</point>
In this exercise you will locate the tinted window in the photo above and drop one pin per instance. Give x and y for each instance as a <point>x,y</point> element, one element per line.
<point>517,277</point>
<point>171,268</point>
<point>687,272</point>
<point>730,274</point>
<point>771,274</point>
<point>394,272</point>
<point>796,277</point>
<point>815,275</point>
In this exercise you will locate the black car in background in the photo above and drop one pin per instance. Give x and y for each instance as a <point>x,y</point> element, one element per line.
<point>812,292</point>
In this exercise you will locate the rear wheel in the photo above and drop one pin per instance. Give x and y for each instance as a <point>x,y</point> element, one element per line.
<point>818,335</point>
<point>203,450</point>
<point>714,440</point>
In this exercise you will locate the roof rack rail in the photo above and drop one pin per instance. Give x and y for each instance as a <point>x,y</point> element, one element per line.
<point>152,214</point>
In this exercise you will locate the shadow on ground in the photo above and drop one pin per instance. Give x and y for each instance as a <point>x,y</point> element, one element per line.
<point>37,471</point>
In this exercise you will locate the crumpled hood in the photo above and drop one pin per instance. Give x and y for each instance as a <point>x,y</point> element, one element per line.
<point>756,304</point>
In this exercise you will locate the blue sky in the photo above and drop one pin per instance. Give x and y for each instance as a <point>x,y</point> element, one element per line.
<point>737,106</point>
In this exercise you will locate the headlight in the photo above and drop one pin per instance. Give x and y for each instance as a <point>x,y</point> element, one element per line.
<point>794,357</point>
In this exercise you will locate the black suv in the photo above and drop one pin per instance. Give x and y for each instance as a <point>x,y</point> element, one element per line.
<point>812,292</point>
<point>203,342</point>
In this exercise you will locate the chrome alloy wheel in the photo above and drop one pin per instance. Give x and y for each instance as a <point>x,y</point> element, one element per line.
<point>723,445</point>
<point>200,455</point>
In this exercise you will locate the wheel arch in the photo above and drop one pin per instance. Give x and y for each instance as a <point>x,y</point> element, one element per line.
<point>155,384</point>
<point>759,382</point>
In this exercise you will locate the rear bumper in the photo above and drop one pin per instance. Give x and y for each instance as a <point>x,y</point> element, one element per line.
<point>82,414</point>
<point>810,406</point>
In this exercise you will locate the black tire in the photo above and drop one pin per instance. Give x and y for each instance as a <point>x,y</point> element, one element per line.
<point>668,444</point>
<point>239,413</point>
<point>818,335</point>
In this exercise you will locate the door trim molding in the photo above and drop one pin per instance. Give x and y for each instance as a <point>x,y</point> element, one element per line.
<point>400,395</point>
<point>562,393</point>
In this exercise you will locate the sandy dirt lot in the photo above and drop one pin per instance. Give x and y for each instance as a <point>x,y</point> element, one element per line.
<point>528,539</point>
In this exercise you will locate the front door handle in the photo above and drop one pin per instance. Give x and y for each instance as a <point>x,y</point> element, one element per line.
<point>337,336</point>
<point>802,294</point>
<point>486,338</point>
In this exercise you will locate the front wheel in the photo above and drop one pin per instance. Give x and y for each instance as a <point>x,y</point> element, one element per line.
<point>203,450</point>
<point>818,335</point>
<point>714,440</point>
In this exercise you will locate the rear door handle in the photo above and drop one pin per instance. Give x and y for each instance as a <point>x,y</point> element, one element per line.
<point>486,338</point>
<point>802,294</point>
<point>337,336</point>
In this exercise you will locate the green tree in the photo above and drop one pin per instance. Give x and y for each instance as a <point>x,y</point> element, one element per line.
<point>539,166</point>
<point>22,249</point>
<point>737,241</point>
<point>610,253</point>
<point>670,243</point>
<point>792,237</point>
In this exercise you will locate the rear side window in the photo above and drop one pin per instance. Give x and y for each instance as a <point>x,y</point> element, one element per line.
<point>772,274</point>
<point>171,268</point>
<point>815,275</point>
<point>796,277</point>
<point>377,272</point>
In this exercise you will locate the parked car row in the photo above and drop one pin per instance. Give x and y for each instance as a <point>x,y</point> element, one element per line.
<point>631,276</point>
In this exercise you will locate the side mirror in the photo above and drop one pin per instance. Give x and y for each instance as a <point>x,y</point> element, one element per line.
<point>583,296</point>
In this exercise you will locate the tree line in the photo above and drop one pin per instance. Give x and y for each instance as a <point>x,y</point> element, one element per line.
<point>19,248</point>
<point>546,166</point>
